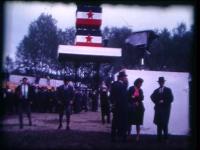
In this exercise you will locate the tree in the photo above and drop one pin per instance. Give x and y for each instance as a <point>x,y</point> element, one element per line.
<point>172,51</point>
<point>182,47</point>
<point>9,65</point>
<point>116,39</point>
<point>39,48</point>
<point>160,51</point>
<point>116,36</point>
<point>66,37</point>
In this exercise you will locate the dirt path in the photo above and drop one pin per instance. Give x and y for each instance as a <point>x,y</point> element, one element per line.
<point>84,121</point>
<point>87,132</point>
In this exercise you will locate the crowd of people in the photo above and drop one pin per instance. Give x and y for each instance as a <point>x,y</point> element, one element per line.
<point>125,104</point>
<point>43,99</point>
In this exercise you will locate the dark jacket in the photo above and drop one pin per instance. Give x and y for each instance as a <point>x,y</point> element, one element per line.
<point>65,95</point>
<point>136,112</point>
<point>118,97</point>
<point>105,104</point>
<point>19,92</point>
<point>162,110</point>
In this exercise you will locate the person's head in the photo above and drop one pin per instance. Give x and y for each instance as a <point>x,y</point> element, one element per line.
<point>122,76</point>
<point>66,80</point>
<point>24,80</point>
<point>138,82</point>
<point>161,81</point>
<point>53,89</point>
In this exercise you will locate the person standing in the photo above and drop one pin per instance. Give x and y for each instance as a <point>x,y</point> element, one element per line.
<point>136,114</point>
<point>24,93</point>
<point>118,97</point>
<point>65,95</point>
<point>85,100</point>
<point>94,98</point>
<point>77,101</point>
<point>105,105</point>
<point>162,97</point>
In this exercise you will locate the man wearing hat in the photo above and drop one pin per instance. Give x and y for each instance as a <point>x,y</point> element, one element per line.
<point>119,101</point>
<point>65,95</point>
<point>24,93</point>
<point>162,97</point>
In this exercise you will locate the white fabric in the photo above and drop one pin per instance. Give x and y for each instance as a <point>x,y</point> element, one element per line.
<point>88,50</point>
<point>161,89</point>
<point>94,39</point>
<point>83,15</point>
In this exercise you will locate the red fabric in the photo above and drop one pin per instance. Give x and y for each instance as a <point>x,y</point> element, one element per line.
<point>89,22</point>
<point>136,92</point>
<point>88,44</point>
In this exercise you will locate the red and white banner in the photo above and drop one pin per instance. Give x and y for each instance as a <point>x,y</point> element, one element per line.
<point>89,18</point>
<point>88,40</point>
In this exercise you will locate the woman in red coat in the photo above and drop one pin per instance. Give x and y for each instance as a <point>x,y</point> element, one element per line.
<point>136,107</point>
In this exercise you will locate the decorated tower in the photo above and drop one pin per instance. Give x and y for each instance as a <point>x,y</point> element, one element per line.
<point>88,45</point>
<point>88,23</point>
<point>88,41</point>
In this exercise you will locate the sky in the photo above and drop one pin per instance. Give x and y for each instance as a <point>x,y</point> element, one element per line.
<point>19,15</point>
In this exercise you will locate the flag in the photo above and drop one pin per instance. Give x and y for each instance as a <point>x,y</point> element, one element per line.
<point>137,38</point>
<point>88,16</point>
<point>88,37</point>
<point>88,40</point>
<point>142,38</point>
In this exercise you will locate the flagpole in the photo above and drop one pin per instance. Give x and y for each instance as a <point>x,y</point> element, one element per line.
<point>142,60</point>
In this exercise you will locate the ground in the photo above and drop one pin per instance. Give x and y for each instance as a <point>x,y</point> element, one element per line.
<point>87,132</point>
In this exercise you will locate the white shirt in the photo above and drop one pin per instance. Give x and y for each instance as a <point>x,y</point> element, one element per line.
<point>161,89</point>
<point>24,89</point>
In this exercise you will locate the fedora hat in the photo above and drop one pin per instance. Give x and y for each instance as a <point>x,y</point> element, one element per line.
<point>122,74</point>
<point>24,78</point>
<point>161,79</point>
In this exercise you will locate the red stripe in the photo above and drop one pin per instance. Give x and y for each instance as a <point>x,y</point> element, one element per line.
<point>88,44</point>
<point>88,22</point>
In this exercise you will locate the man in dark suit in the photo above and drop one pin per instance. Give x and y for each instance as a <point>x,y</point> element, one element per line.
<point>65,95</point>
<point>119,101</point>
<point>85,101</point>
<point>94,100</point>
<point>24,93</point>
<point>162,98</point>
<point>105,104</point>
